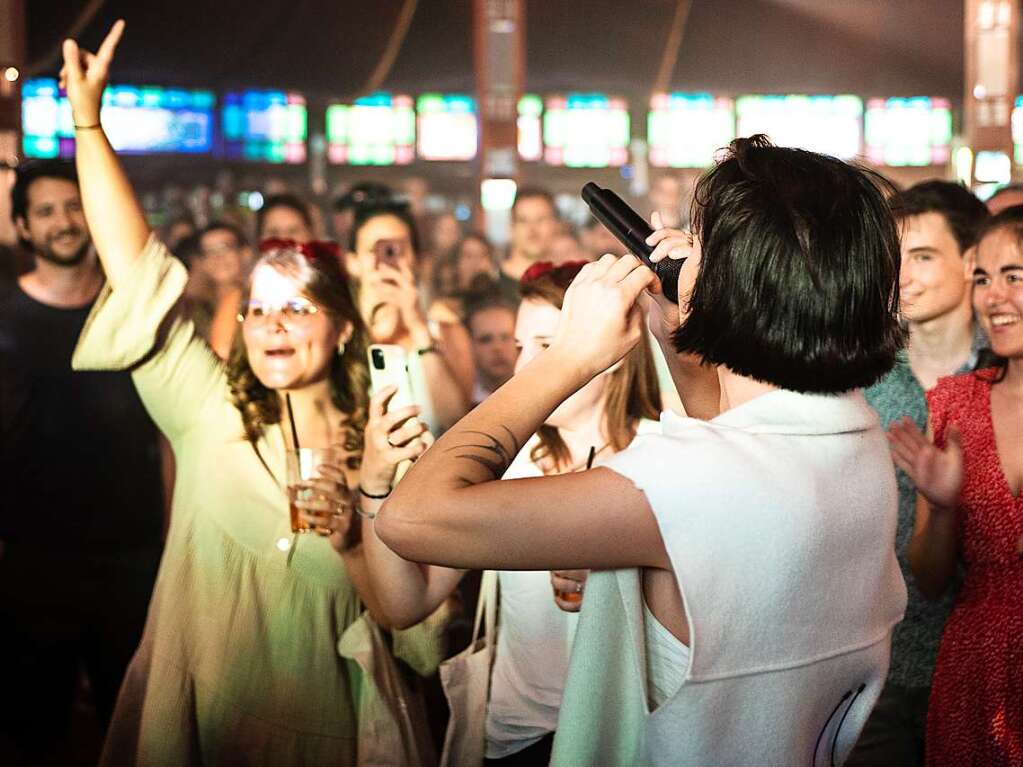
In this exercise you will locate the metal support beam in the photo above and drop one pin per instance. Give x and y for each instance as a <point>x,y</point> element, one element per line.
<point>991,37</point>
<point>500,62</point>
<point>12,64</point>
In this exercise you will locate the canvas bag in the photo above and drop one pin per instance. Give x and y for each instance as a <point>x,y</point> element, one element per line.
<point>466,682</point>
<point>392,721</point>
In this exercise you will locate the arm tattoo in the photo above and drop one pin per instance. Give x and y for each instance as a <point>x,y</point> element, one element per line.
<point>496,458</point>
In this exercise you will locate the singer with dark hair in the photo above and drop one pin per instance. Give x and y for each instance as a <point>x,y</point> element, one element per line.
<point>745,585</point>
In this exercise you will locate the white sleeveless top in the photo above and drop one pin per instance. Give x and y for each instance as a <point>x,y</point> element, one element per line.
<point>778,517</point>
<point>534,640</point>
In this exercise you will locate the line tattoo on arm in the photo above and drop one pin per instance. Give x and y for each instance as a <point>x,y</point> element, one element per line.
<point>496,457</point>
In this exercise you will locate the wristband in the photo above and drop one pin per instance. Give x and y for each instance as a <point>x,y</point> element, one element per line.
<point>88,127</point>
<point>374,497</point>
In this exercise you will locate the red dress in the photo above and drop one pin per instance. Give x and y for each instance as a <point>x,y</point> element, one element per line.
<point>975,715</point>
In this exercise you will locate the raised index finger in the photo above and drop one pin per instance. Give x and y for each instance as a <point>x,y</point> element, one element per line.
<point>106,50</point>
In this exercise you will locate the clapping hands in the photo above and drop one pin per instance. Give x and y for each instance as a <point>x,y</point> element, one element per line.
<point>937,473</point>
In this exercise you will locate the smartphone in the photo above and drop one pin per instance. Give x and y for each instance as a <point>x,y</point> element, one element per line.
<point>388,366</point>
<point>389,251</point>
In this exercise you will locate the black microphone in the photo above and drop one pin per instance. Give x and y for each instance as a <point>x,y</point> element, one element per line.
<point>631,230</point>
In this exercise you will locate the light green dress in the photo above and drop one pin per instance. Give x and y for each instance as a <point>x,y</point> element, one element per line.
<point>238,663</point>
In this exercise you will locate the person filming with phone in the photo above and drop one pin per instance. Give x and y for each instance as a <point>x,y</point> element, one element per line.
<point>383,251</point>
<point>744,585</point>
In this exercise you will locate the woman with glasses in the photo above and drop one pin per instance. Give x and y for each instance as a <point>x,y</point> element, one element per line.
<point>239,662</point>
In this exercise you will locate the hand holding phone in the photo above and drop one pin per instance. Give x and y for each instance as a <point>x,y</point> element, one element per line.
<point>388,367</point>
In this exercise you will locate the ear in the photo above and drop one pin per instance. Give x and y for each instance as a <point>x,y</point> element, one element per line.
<point>969,263</point>
<point>351,264</point>
<point>346,333</point>
<point>248,255</point>
<point>21,225</point>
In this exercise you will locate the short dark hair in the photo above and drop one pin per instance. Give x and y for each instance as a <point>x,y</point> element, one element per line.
<point>29,172</point>
<point>963,212</point>
<point>483,300</point>
<point>284,200</point>
<point>224,226</point>
<point>798,281</point>
<point>399,210</point>
<point>533,193</point>
<point>365,194</point>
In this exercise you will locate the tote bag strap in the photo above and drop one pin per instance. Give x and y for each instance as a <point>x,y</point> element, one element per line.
<point>486,609</point>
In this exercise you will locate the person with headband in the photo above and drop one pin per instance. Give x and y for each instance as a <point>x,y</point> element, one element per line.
<point>534,635</point>
<point>744,585</point>
<point>240,661</point>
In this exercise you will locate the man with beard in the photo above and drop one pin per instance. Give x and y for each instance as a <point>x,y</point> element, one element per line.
<point>81,522</point>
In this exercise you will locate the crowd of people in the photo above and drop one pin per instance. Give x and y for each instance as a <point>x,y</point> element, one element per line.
<point>777,522</point>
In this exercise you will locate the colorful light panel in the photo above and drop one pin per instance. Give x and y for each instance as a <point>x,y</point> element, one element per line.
<point>908,131</point>
<point>586,130</point>
<point>684,130</point>
<point>446,127</point>
<point>530,128</point>
<point>379,129</point>
<point>137,120</point>
<point>827,124</point>
<point>265,126</point>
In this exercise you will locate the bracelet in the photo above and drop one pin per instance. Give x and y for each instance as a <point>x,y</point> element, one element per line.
<point>374,497</point>
<point>427,350</point>
<point>97,126</point>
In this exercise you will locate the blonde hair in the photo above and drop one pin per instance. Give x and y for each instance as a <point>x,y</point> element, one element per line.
<point>632,392</point>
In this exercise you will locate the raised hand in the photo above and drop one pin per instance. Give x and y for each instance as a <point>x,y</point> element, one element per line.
<point>600,318</point>
<point>663,316</point>
<point>937,474</point>
<point>390,439</point>
<point>396,285</point>
<point>84,75</point>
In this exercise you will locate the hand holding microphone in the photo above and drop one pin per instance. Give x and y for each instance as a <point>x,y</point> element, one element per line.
<point>633,232</point>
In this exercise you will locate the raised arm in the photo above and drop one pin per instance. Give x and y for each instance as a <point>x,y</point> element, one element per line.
<point>938,476</point>
<point>451,509</point>
<point>406,592</point>
<point>116,222</point>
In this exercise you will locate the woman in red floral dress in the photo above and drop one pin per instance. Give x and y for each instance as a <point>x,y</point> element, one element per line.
<point>970,509</point>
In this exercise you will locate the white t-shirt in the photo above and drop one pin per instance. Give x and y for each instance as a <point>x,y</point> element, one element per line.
<point>534,641</point>
<point>778,517</point>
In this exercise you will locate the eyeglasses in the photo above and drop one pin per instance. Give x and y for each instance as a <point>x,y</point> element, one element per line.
<point>294,311</point>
